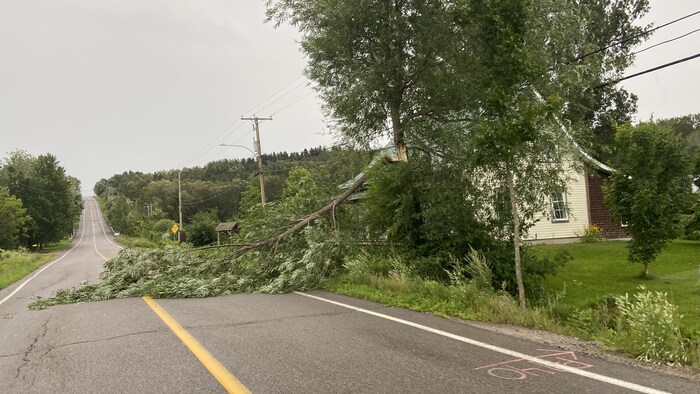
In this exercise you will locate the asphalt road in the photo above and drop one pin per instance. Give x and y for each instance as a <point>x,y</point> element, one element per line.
<point>314,342</point>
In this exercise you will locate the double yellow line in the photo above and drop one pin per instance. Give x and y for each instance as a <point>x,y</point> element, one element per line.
<point>220,373</point>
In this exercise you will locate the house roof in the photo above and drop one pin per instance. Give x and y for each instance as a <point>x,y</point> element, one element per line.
<point>590,160</point>
<point>226,226</point>
<point>585,156</point>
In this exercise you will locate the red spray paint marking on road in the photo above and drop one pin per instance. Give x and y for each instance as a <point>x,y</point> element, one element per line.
<point>521,369</point>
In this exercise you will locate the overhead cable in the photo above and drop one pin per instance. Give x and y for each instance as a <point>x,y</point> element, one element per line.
<point>624,40</point>
<point>649,70</point>
<point>666,42</point>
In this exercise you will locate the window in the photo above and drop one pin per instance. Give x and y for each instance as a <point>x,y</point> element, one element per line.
<point>559,211</point>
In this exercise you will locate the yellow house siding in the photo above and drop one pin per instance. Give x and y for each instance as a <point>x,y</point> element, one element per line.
<point>577,203</point>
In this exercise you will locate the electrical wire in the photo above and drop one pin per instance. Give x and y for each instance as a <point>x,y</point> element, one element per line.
<point>213,144</point>
<point>666,42</point>
<point>673,63</point>
<point>36,188</point>
<point>284,95</point>
<point>273,95</point>
<point>635,36</point>
<point>228,189</point>
<point>295,102</point>
<point>216,140</point>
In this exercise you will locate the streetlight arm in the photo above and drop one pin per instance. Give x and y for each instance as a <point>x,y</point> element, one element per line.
<point>241,146</point>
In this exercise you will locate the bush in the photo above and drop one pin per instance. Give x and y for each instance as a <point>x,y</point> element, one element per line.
<point>649,322</point>
<point>202,230</point>
<point>591,234</point>
<point>535,266</point>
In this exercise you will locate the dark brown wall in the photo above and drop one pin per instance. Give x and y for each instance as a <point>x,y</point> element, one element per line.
<point>600,214</point>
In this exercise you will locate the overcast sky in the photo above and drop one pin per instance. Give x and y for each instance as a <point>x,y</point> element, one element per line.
<point>146,85</point>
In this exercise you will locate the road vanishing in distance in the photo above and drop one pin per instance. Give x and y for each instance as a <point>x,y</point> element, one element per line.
<point>314,342</point>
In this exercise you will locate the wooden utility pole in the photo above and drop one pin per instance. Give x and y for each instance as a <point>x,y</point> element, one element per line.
<point>256,121</point>
<point>179,197</point>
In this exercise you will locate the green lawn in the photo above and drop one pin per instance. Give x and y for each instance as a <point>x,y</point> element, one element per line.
<point>16,265</point>
<point>602,269</point>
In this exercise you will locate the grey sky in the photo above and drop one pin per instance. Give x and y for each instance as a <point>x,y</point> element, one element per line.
<point>145,85</point>
<point>674,90</point>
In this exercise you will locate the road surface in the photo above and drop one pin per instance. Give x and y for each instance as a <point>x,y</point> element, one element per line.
<point>314,342</point>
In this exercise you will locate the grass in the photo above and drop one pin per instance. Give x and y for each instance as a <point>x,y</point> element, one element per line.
<point>461,300</point>
<point>15,265</point>
<point>648,330</point>
<point>602,269</point>
<point>136,242</point>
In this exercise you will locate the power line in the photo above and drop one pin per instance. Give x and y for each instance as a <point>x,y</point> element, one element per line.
<point>274,94</point>
<point>211,145</point>
<point>649,70</point>
<point>226,190</point>
<point>36,188</point>
<point>283,96</point>
<point>666,42</point>
<point>624,40</point>
<point>216,141</point>
<point>295,102</point>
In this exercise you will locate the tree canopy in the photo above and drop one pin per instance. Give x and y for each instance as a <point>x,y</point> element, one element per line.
<point>51,199</point>
<point>460,82</point>
<point>651,189</point>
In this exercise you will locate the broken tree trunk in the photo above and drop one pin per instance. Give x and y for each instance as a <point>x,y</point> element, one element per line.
<point>303,222</point>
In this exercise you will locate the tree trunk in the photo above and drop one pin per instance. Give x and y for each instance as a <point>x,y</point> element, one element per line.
<point>305,221</point>
<point>397,129</point>
<point>647,274</point>
<point>516,237</point>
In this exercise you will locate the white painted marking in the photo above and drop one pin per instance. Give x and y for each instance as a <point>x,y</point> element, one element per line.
<point>82,232</point>
<point>101,219</point>
<point>535,360</point>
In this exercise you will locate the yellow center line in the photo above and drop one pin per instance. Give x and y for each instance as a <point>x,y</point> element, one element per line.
<point>223,375</point>
<point>94,238</point>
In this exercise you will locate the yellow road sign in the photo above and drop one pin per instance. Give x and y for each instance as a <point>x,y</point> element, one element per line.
<point>175,228</point>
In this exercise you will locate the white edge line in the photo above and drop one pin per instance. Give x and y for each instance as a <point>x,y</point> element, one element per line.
<point>100,217</point>
<point>82,233</point>
<point>575,371</point>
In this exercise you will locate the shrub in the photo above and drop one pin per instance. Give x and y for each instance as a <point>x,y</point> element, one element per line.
<point>202,230</point>
<point>591,234</point>
<point>649,321</point>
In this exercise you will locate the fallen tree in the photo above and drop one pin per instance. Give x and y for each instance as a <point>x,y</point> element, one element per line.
<point>303,222</point>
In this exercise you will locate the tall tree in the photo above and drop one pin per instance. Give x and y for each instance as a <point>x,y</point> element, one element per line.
<point>50,197</point>
<point>650,190</point>
<point>461,80</point>
<point>381,65</point>
<point>13,218</point>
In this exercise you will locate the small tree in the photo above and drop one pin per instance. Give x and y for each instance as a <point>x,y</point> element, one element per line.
<point>650,190</point>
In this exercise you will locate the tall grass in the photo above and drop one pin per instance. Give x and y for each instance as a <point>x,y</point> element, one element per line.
<point>16,264</point>
<point>645,324</point>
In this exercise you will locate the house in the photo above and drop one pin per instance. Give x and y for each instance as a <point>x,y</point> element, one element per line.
<point>570,212</point>
<point>581,205</point>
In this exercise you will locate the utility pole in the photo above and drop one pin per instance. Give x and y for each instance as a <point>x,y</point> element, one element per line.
<point>179,197</point>
<point>256,121</point>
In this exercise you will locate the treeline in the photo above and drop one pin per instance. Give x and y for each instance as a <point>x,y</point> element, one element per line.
<point>146,204</point>
<point>39,203</point>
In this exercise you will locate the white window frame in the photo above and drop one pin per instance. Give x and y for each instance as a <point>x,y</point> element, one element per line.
<point>558,204</point>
